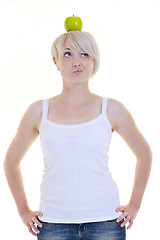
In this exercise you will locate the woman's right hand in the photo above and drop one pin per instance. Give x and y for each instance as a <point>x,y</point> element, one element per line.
<point>30,219</point>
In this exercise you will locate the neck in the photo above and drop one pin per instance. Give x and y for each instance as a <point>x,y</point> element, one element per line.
<point>75,95</point>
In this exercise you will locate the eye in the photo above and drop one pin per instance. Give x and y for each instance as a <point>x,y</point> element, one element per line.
<point>67,54</point>
<point>85,55</point>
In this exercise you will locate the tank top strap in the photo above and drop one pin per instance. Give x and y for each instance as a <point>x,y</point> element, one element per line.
<point>104,105</point>
<point>104,112</point>
<point>45,106</point>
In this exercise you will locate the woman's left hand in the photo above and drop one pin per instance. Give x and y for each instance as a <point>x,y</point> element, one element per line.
<point>129,213</point>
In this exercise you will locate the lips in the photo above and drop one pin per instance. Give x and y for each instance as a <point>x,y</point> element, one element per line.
<point>77,71</point>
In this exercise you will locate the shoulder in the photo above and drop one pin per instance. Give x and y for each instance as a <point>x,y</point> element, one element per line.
<point>34,113</point>
<point>36,107</point>
<point>118,114</point>
<point>115,106</point>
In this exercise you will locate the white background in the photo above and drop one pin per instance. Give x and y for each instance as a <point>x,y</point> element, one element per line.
<point>128,35</point>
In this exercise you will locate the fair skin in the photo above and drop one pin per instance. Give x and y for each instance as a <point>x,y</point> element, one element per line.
<point>76,104</point>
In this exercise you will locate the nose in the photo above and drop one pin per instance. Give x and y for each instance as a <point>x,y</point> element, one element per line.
<point>76,64</point>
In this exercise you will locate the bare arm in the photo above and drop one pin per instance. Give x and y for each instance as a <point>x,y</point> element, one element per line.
<point>26,134</point>
<point>123,123</point>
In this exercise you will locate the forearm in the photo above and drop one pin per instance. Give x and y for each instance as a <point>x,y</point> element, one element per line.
<point>15,182</point>
<point>142,172</point>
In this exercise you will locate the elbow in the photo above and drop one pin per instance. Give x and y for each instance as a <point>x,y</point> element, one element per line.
<point>149,157</point>
<point>146,156</point>
<point>9,165</point>
<point>149,154</point>
<point>6,165</point>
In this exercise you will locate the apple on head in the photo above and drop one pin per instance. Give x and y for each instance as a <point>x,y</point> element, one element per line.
<point>73,24</point>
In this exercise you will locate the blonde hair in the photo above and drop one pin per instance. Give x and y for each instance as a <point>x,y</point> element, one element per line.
<point>81,40</point>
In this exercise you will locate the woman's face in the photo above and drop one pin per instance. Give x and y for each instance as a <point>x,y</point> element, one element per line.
<point>74,64</point>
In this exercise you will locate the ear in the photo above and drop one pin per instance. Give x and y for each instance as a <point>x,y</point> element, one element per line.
<point>57,66</point>
<point>56,63</point>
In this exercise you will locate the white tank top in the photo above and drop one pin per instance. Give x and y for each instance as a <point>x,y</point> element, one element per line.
<point>77,186</point>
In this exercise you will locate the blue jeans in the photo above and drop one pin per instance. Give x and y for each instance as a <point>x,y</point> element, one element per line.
<point>104,230</point>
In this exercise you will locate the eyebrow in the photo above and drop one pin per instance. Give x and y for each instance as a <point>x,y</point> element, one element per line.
<point>67,48</point>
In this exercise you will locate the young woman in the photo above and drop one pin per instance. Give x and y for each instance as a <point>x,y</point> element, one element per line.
<point>79,199</point>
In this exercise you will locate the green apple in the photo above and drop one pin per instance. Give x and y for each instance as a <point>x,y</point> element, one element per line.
<point>73,24</point>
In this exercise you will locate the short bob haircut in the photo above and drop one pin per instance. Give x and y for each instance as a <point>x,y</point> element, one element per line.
<point>81,40</point>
